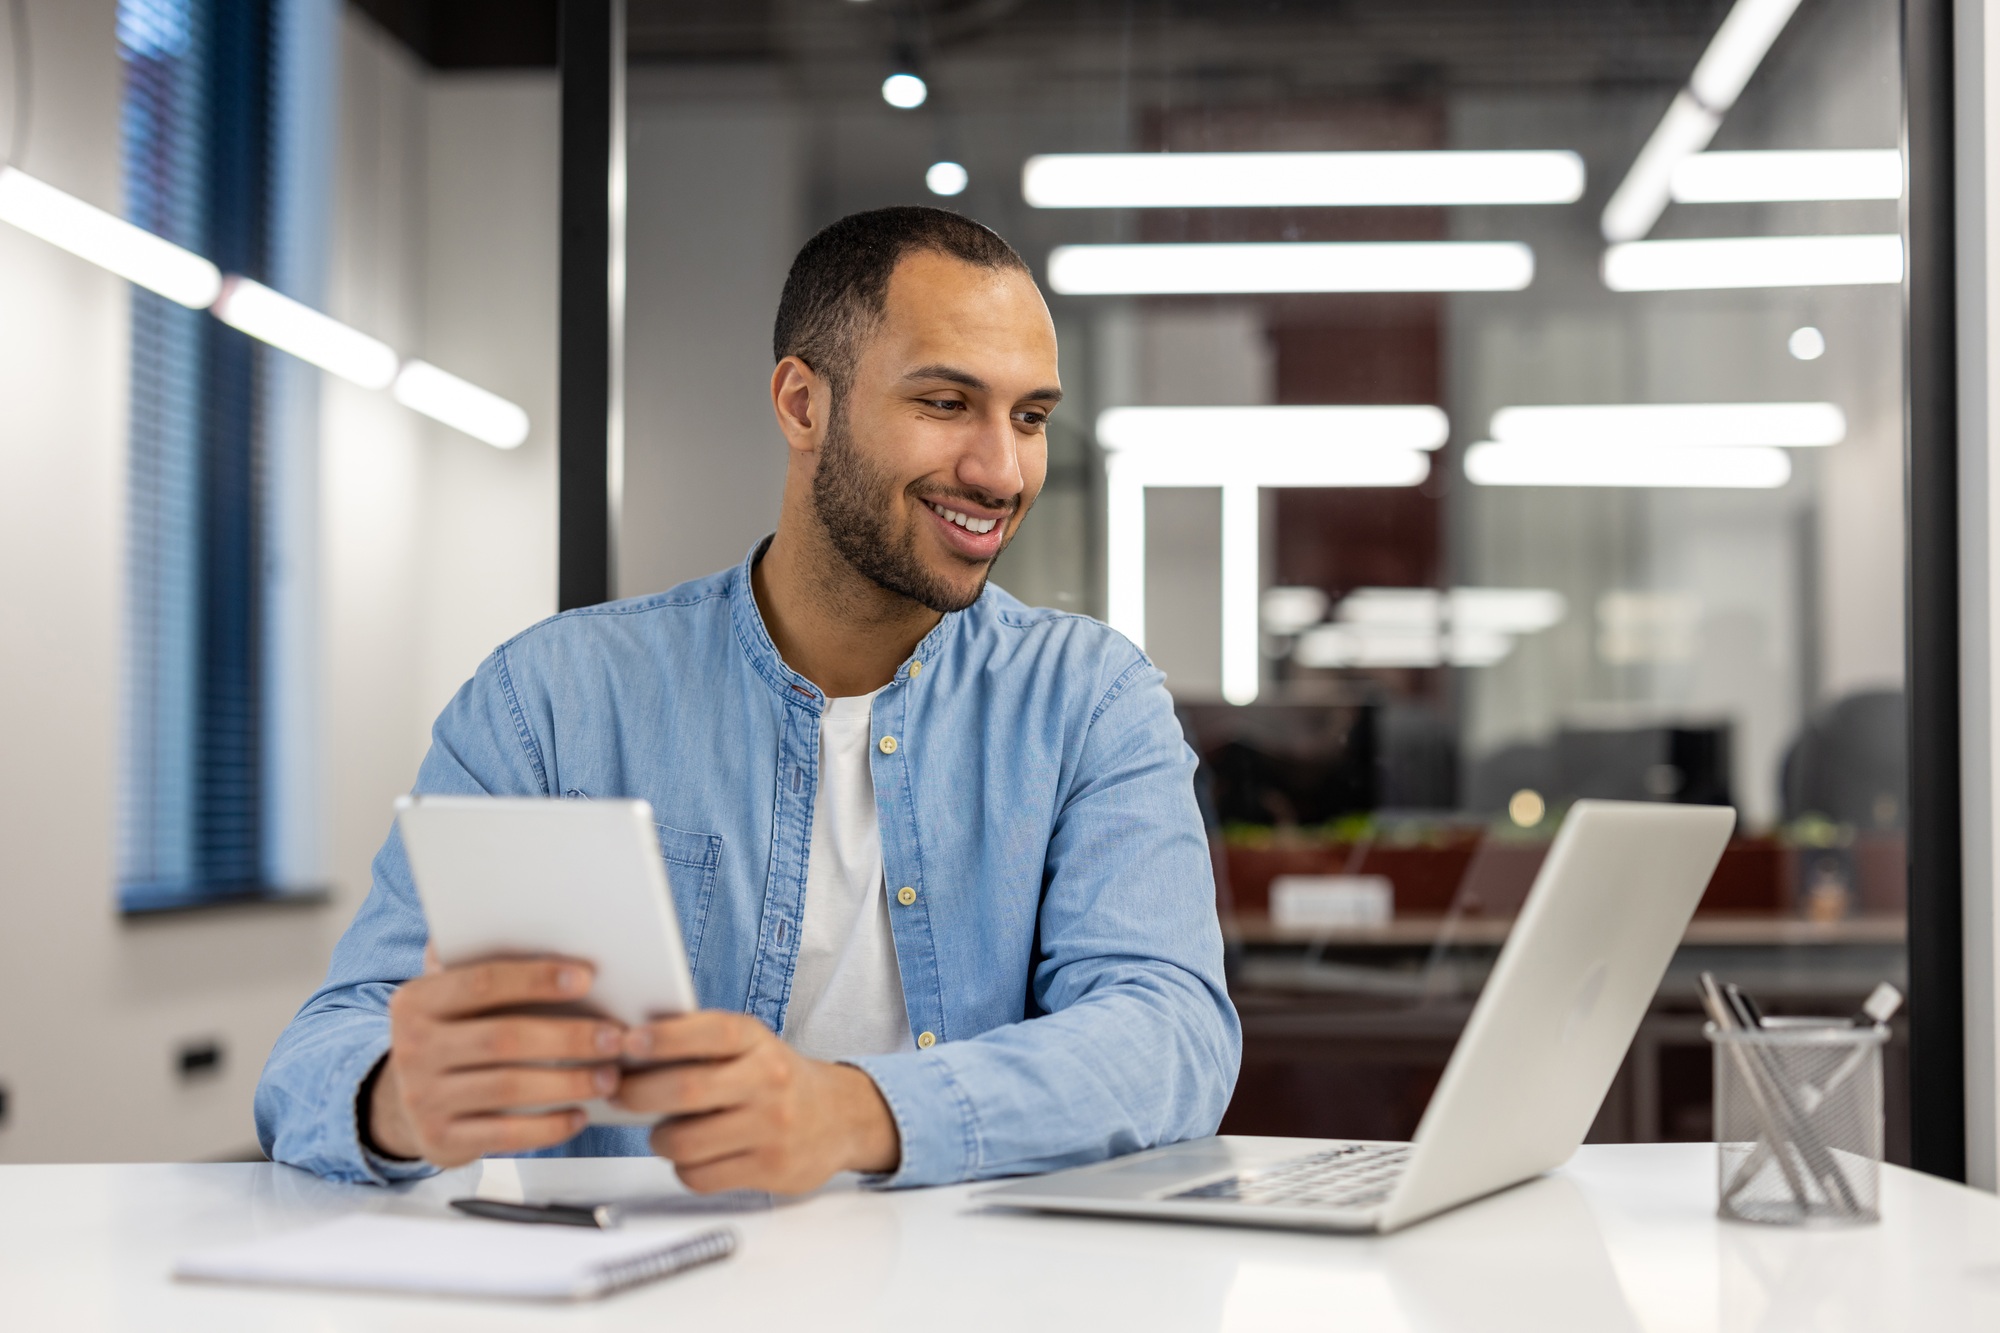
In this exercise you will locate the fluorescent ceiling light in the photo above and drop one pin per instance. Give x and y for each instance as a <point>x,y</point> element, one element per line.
<point>947,178</point>
<point>1753,261</point>
<point>1240,469</point>
<point>180,275</point>
<point>1749,178</point>
<point>1424,627</point>
<point>1736,50</point>
<point>1673,424</point>
<point>1327,646</point>
<point>1498,610</point>
<point>1732,56</point>
<point>1642,196</point>
<point>1292,266</point>
<point>1300,180</point>
<point>1279,463</point>
<point>306,333</point>
<point>1242,557</point>
<point>90,233</point>
<point>905,92</point>
<point>1224,429</point>
<point>460,404</point>
<point>1746,468</point>
<point>1508,610</point>
<point>1287,610</point>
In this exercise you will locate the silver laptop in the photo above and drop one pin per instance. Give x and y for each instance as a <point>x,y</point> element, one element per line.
<point>1524,1082</point>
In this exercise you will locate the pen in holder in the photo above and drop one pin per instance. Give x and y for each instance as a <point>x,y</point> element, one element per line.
<point>1798,1120</point>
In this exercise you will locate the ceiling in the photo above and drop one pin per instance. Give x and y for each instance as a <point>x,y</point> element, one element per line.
<point>1311,46</point>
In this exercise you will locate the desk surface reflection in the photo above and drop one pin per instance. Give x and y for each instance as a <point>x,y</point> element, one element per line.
<point>1623,1238</point>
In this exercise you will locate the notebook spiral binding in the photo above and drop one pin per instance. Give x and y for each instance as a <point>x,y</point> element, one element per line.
<point>690,1253</point>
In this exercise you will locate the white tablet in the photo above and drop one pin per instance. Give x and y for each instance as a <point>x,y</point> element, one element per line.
<point>506,876</point>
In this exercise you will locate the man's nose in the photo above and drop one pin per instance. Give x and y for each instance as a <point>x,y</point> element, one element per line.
<point>992,461</point>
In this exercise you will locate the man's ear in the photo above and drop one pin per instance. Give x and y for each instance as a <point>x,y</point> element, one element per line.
<point>802,399</point>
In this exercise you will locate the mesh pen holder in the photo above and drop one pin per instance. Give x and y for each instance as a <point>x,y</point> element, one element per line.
<point>1798,1122</point>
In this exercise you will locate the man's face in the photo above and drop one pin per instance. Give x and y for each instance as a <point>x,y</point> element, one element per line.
<point>939,446</point>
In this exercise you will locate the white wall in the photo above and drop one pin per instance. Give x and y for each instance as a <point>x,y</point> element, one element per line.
<point>432,547</point>
<point>490,290</point>
<point>714,215</point>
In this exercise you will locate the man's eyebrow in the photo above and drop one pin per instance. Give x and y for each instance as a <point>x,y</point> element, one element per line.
<point>967,380</point>
<point>950,375</point>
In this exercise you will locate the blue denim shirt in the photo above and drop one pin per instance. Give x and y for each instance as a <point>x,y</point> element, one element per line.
<point>1061,962</point>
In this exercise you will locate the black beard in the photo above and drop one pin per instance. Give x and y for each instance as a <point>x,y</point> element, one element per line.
<point>852,501</point>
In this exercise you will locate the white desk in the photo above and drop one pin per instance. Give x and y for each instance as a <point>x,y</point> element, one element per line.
<point>1624,1238</point>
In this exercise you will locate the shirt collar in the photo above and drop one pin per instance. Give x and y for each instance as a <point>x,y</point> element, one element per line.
<point>763,654</point>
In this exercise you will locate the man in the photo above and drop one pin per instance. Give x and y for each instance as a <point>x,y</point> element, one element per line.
<point>944,843</point>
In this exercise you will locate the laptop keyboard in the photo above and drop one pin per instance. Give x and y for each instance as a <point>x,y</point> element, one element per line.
<point>1355,1175</point>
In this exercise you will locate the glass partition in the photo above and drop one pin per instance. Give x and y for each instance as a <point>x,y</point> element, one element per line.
<point>1472,406</point>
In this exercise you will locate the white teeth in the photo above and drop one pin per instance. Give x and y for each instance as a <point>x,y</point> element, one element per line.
<point>970,524</point>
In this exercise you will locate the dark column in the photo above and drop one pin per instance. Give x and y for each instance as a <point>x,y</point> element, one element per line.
<point>589,425</point>
<point>1937,991</point>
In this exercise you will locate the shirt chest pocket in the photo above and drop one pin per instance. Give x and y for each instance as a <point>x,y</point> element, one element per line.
<point>692,860</point>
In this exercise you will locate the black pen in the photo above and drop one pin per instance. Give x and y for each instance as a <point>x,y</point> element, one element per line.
<point>601,1215</point>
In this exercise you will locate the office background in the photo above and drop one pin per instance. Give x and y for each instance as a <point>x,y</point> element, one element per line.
<point>432,547</point>
<point>1685,642</point>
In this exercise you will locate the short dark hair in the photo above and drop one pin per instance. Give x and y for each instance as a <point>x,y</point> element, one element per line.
<point>839,283</point>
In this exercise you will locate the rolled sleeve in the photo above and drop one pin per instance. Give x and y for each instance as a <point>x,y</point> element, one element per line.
<point>934,1118</point>
<point>308,1112</point>
<point>305,1104</point>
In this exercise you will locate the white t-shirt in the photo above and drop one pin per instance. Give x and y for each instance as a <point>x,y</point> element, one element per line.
<point>847,991</point>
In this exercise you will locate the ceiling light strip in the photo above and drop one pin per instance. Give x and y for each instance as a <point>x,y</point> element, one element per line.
<point>1291,266</point>
<point>1301,180</point>
<point>1695,467</point>
<point>1753,261</point>
<point>1242,549</point>
<point>110,242</point>
<point>460,404</point>
<point>1732,56</point>
<point>149,261</point>
<point>1788,177</point>
<point>1238,468</point>
<point>1791,425</point>
<point>1416,426</point>
<point>318,339</point>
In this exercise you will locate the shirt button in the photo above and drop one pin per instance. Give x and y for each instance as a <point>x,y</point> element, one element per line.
<point>906,895</point>
<point>916,668</point>
<point>926,1040</point>
<point>887,745</point>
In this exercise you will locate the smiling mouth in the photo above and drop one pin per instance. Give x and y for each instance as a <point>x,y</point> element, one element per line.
<point>968,522</point>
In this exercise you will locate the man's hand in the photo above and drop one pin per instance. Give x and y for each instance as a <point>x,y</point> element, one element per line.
<point>750,1112</point>
<point>457,1073</point>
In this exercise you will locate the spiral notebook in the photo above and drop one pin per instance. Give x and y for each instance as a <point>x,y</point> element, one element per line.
<point>452,1257</point>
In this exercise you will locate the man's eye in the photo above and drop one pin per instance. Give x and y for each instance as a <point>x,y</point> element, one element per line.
<point>1032,418</point>
<point>944,404</point>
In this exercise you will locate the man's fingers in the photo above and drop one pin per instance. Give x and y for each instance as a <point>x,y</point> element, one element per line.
<point>742,1171</point>
<point>503,1135</point>
<point>511,1088</point>
<point>694,1140</point>
<point>477,988</point>
<point>710,1034</point>
<point>506,1041</point>
<point>689,1089</point>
